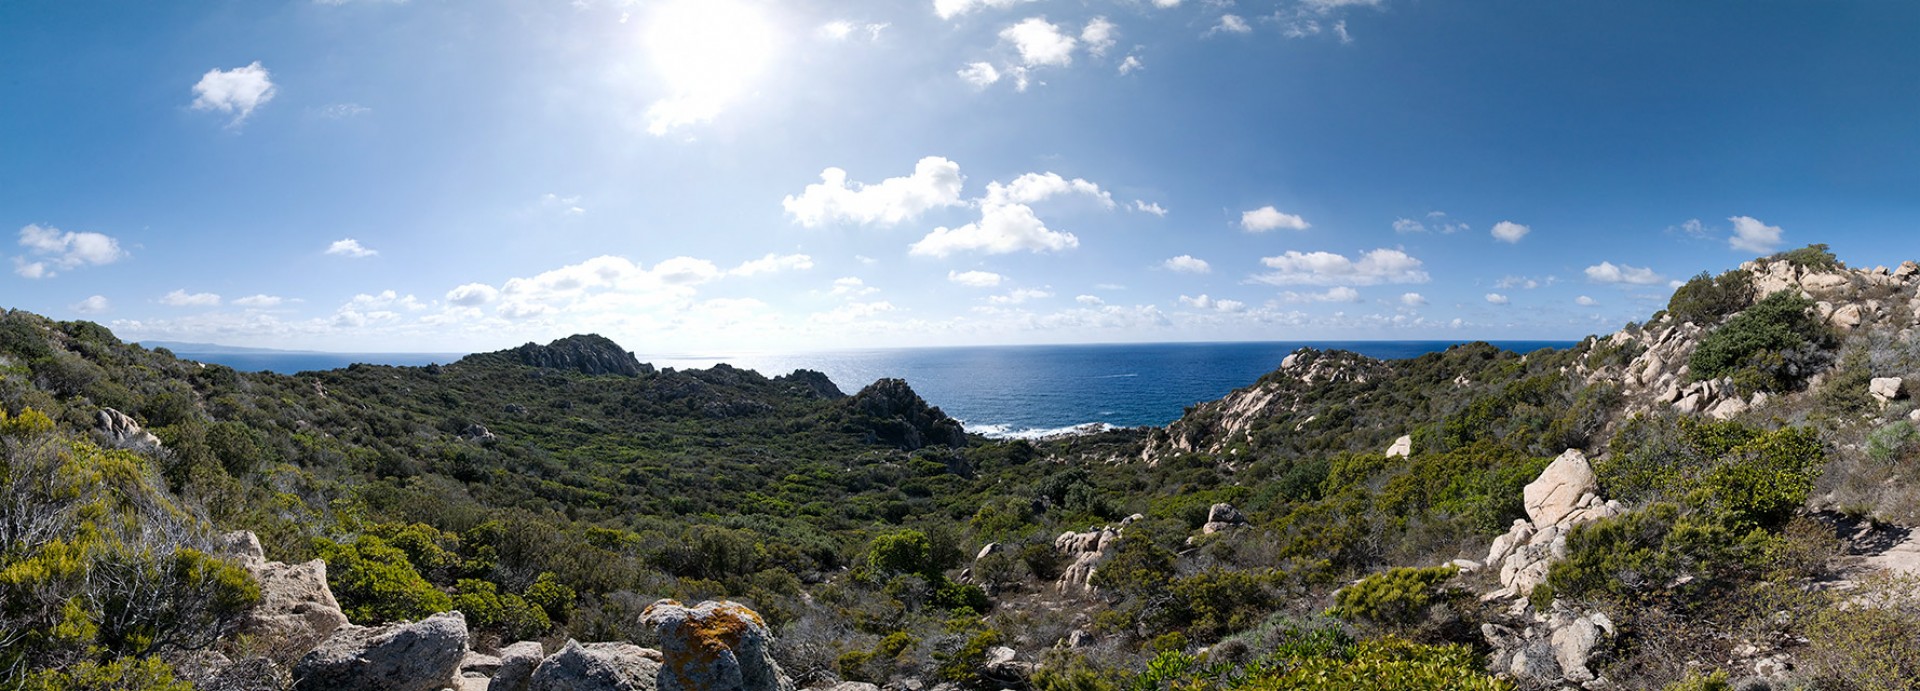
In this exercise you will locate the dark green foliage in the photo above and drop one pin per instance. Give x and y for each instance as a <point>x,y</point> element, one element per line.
<point>1772,346</point>
<point>375,582</point>
<point>487,608</point>
<point>1705,300</point>
<point>906,551</point>
<point>1745,476</point>
<point>1815,257</point>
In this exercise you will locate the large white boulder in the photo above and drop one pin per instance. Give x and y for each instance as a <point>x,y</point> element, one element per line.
<point>1558,490</point>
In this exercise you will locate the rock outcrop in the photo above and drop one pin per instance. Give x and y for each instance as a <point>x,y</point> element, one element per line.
<point>714,646</point>
<point>296,610</point>
<point>1885,389</point>
<point>811,384</point>
<point>118,429</point>
<point>593,667</point>
<point>1402,447</point>
<point>517,663</point>
<point>1085,551</point>
<point>1222,517</point>
<point>899,417</point>
<point>408,656</point>
<point>590,354</point>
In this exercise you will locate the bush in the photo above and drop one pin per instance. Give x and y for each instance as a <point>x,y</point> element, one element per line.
<point>906,551</point>
<point>124,674</point>
<point>1396,598</point>
<point>1816,257</point>
<point>375,582</point>
<point>1772,346</point>
<point>1748,476</point>
<point>1706,300</point>
<point>1869,642</point>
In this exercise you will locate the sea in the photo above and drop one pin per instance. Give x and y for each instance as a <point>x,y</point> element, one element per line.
<point>996,391</point>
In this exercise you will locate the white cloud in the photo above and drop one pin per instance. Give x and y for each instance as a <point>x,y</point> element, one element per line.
<point>1691,228</point>
<point>1497,299</point>
<point>1585,301</point>
<point>852,312</point>
<point>852,287</point>
<point>238,91</point>
<point>342,111</point>
<point>1436,222</point>
<point>948,9</point>
<point>1231,23</point>
<point>1413,299</point>
<point>1007,222</point>
<point>472,294</point>
<point>1517,282</point>
<point>1751,235</point>
<point>1187,264</point>
<point>1326,268</point>
<point>707,55</point>
<point>1268,218</point>
<point>1089,300</point>
<point>1334,294</point>
<point>1153,208</point>
<point>182,298</point>
<point>259,301</point>
<point>349,247</point>
<point>1040,42</point>
<point>1608,272</point>
<point>1099,35</point>
<point>50,251</point>
<point>1131,64</point>
<point>1204,302</point>
<point>1340,29</point>
<point>1019,296</point>
<point>92,305</point>
<point>1510,232</point>
<point>1327,5</point>
<point>975,279</point>
<point>935,183</point>
<point>1164,4</point>
<point>981,75</point>
<point>841,30</point>
<point>568,206</point>
<point>773,263</point>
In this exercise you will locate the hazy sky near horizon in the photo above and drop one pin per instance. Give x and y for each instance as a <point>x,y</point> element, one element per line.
<point>699,175</point>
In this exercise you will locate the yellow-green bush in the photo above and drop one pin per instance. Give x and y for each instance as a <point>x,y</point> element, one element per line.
<point>1399,597</point>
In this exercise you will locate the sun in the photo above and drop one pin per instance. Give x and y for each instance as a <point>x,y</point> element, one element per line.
<point>708,55</point>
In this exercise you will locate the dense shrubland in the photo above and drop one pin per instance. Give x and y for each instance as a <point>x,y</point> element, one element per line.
<point>550,503</point>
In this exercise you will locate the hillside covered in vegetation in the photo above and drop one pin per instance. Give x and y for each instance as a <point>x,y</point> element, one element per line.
<point>1720,494</point>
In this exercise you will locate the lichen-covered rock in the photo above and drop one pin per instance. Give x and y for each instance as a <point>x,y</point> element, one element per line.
<point>409,656</point>
<point>1222,517</point>
<point>1086,550</point>
<point>517,663</point>
<point>595,667</point>
<point>120,430</point>
<point>714,646</point>
<point>1557,491</point>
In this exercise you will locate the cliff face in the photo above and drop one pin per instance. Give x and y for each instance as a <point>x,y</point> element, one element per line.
<point>590,354</point>
<point>901,418</point>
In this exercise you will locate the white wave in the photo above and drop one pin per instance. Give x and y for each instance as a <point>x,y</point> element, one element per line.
<point>998,431</point>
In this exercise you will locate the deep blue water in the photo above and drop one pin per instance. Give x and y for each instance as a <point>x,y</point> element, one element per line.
<point>999,390</point>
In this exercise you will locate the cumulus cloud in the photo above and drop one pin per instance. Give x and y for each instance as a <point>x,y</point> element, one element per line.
<point>1326,268</point>
<point>948,9</point>
<point>1509,232</point>
<point>841,30</point>
<point>1232,24</point>
<point>92,305</point>
<point>259,301</point>
<point>349,247</point>
<point>1334,294</point>
<point>773,263</point>
<point>1268,218</point>
<point>237,91</point>
<point>1040,42</point>
<point>1152,208</point>
<point>50,251</point>
<point>472,294</point>
<point>1413,299</point>
<point>1008,222</point>
<point>1521,282</point>
<point>342,111</point>
<point>182,298</point>
<point>1750,235</point>
<point>935,183</point>
<point>1436,221</point>
<point>852,287</point>
<point>1204,302</point>
<point>1496,299</point>
<point>981,75</point>
<point>1131,64</point>
<point>1099,35</point>
<point>1089,300</point>
<point>975,279</point>
<point>1187,264</point>
<point>1019,296</point>
<point>1585,301</point>
<point>1608,272</point>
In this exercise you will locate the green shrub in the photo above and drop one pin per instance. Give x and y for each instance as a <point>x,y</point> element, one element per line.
<point>122,674</point>
<point>1659,553</point>
<point>1399,597</point>
<point>1868,641</point>
<point>375,582</point>
<point>1749,476</point>
<point>486,608</point>
<point>1716,681</point>
<point>1772,346</point>
<point>906,551</point>
<point>1816,257</point>
<point>1706,300</point>
<point>551,596</point>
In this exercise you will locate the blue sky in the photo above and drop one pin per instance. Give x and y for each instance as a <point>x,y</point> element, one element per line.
<point>735,175</point>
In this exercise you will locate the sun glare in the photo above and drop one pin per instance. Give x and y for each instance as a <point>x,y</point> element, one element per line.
<point>708,53</point>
